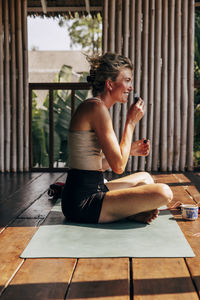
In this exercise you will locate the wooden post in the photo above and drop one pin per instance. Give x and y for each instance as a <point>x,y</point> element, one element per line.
<point>144,78</point>
<point>105,26</point>
<point>25,81</point>
<point>13,90</point>
<point>1,92</point>
<point>7,87</point>
<point>184,87</point>
<point>151,80</point>
<point>138,19</point>
<point>157,76</point>
<point>170,140</point>
<point>20,94</point>
<point>177,92</point>
<point>164,84</point>
<point>190,85</point>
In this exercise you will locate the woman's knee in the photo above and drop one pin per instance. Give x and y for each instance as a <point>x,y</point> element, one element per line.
<point>146,178</point>
<point>164,192</point>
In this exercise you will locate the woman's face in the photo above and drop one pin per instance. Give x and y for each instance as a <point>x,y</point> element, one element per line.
<point>122,86</point>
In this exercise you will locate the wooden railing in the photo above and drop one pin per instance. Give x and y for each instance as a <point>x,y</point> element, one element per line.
<point>51,87</point>
<point>197,84</point>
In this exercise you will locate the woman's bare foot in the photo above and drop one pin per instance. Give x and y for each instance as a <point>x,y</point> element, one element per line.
<point>145,217</point>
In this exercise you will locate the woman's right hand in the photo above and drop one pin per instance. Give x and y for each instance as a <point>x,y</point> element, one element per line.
<point>136,112</point>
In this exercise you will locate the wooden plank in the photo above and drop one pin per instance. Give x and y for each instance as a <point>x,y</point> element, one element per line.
<point>13,240</point>
<point>162,278</point>
<point>24,197</point>
<point>165,178</point>
<point>41,279</point>
<point>11,182</point>
<point>102,278</point>
<point>194,266</point>
<point>41,207</point>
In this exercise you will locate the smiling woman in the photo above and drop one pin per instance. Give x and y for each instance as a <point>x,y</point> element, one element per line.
<point>93,148</point>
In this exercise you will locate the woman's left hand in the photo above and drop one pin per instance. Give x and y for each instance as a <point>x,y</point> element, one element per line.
<point>140,148</point>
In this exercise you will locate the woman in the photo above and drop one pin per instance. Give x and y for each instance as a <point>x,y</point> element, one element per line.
<point>93,148</point>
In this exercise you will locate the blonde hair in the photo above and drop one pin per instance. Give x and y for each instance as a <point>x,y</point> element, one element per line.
<point>103,67</point>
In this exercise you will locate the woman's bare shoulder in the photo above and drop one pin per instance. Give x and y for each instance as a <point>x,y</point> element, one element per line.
<point>88,112</point>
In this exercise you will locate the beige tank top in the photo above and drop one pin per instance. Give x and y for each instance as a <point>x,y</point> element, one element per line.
<point>84,151</point>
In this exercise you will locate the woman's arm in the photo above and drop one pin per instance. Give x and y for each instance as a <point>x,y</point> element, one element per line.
<point>116,154</point>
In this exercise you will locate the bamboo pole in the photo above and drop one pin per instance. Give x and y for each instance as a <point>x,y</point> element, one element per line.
<point>132,58</point>
<point>13,89</point>
<point>144,79</point>
<point>105,26</point>
<point>118,28</point>
<point>125,51</point>
<point>111,41</point>
<point>156,126</point>
<point>164,84</point>
<point>111,36</point>
<point>171,66</point>
<point>190,85</point>
<point>2,166</point>
<point>20,95</point>
<point>118,46</point>
<point>7,87</point>
<point>177,92</point>
<point>138,25</point>
<point>25,81</point>
<point>184,87</point>
<point>151,80</point>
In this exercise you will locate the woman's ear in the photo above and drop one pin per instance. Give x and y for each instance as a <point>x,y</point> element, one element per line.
<point>109,84</point>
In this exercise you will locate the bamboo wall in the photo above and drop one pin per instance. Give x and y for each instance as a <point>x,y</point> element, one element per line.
<point>158,36</point>
<point>14,123</point>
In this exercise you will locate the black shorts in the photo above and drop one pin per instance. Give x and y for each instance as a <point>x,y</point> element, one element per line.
<point>83,196</point>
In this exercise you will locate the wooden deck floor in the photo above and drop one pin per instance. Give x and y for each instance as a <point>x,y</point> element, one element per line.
<point>24,205</point>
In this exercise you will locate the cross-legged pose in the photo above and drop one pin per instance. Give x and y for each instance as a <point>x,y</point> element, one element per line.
<point>93,148</point>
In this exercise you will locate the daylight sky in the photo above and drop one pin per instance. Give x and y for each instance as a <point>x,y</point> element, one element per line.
<point>46,34</point>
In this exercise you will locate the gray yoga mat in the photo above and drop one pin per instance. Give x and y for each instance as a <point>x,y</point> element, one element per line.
<point>58,238</point>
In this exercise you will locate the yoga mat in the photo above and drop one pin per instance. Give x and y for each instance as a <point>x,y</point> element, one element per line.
<point>58,238</point>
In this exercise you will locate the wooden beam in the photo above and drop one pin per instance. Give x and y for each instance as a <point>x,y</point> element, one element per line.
<point>44,6</point>
<point>63,9</point>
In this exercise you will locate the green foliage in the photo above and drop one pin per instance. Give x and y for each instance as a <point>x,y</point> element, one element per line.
<point>86,31</point>
<point>62,117</point>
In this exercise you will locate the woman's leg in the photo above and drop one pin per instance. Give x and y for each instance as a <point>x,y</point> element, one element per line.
<point>123,203</point>
<point>129,181</point>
